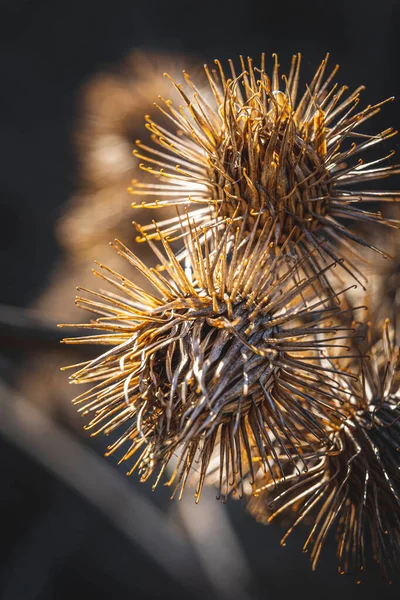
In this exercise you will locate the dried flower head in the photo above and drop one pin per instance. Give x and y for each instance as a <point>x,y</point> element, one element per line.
<point>256,150</point>
<point>227,355</point>
<point>356,488</point>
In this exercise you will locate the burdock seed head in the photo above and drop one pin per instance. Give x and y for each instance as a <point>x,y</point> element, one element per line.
<point>356,488</point>
<point>254,147</point>
<point>225,357</point>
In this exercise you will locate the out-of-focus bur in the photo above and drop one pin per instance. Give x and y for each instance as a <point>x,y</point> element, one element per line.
<point>111,118</point>
<point>258,150</point>
<point>356,488</point>
<point>227,356</point>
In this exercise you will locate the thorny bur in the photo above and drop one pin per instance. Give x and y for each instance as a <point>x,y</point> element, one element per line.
<point>240,365</point>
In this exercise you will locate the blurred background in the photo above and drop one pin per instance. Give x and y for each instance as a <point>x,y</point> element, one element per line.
<point>77,79</point>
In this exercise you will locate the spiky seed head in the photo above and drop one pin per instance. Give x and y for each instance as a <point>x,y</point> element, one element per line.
<point>355,488</point>
<point>226,355</point>
<point>252,148</point>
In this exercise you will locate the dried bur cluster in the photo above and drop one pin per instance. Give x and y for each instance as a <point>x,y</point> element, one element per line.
<point>244,362</point>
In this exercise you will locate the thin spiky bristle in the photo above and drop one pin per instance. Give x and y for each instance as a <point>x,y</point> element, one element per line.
<point>228,356</point>
<point>252,149</point>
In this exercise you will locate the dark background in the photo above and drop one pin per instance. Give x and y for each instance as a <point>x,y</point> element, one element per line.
<point>54,543</point>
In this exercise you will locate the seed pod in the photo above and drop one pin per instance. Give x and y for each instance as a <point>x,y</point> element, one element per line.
<point>227,357</point>
<point>255,150</point>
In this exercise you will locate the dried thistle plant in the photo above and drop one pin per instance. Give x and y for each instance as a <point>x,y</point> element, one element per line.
<point>226,353</point>
<point>258,150</point>
<point>356,488</point>
<point>240,365</point>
